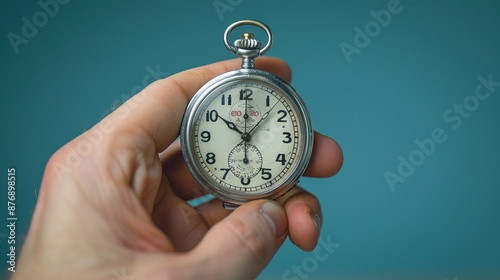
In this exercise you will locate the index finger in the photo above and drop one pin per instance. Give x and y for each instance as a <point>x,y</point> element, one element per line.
<point>157,110</point>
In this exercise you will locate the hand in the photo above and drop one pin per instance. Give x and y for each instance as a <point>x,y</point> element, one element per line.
<point>245,116</point>
<point>246,136</point>
<point>230,125</point>
<point>264,116</point>
<point>121,208</point>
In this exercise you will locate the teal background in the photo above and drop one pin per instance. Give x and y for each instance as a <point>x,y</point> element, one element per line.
<point>442,222</point>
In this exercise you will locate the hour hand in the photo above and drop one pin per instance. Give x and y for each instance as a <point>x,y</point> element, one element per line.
<point>231,125</point>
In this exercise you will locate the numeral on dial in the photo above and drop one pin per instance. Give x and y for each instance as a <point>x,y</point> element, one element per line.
<point>283,115</point>
<point>226,171</point>
<point>223,100</point>
<point>266,174</point>
<point>210,158</point>
<point>281,158</point>
<point>245,94</point>
<point>205,136</point>
<point>212,116</point>
<point>288,137</point>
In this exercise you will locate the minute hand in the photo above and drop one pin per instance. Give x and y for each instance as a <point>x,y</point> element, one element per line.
<point>266,114</point>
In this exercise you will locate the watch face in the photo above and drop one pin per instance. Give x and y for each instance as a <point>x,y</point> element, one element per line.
<point>246,138</point>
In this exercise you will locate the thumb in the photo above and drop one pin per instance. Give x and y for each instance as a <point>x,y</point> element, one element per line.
<point>241,245</point>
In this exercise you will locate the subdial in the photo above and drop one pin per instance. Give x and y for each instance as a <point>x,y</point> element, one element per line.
<point>245,164</point>
<point>237,114</point>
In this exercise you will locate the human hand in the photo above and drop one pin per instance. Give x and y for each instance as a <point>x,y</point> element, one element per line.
<point>122,207</point>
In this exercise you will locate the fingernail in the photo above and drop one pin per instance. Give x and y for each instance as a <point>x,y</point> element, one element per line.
<point>317,221</point>
<point>275,217</point>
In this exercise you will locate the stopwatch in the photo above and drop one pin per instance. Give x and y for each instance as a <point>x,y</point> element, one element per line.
<point>247,133</point>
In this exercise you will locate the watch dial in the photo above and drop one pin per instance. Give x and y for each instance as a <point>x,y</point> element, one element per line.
<point>247,137</point>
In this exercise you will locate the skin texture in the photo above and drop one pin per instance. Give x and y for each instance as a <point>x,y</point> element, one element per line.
<point>120,207</point>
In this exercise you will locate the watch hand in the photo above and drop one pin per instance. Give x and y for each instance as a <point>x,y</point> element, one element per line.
<point>266,114</point>
<point>247,135</point>
<point>246,139</point>
<point>245,116</point>
<point>231,125</point>
<point>245,160</point>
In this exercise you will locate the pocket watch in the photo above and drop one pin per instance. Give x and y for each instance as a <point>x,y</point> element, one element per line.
<point>246,134</point>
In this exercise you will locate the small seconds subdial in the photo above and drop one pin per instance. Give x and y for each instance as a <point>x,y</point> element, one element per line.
<point>245,165</point>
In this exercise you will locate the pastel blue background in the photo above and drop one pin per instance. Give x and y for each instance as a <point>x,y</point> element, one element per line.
<point>442,222</point>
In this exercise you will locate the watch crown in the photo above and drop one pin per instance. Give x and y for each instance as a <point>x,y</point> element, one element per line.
<point>247,47</point>
<point>248,42</point>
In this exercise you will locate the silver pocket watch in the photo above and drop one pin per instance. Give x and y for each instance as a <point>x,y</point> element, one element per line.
<point>246,134</point>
